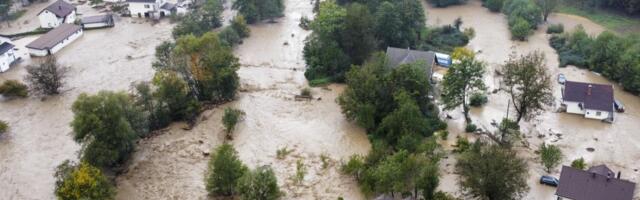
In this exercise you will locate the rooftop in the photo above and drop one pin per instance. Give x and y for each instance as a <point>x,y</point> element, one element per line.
<point>141,1</point>
<point>60,8</point>
<point>586,185</point>
<point>97,19</point>
<point>5,46</point>
<point>593,96</point>
<point>398,56</point>
<point>53,37</point>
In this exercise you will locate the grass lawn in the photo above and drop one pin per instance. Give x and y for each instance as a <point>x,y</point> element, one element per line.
<point>613,21</point>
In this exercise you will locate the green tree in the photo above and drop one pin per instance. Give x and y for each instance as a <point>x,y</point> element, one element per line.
<point>172,95</point>
<point>394,173</point>
<point>605,59</point>
<point>405,125</point>
<point>550,156</point>
<point>46,77</point>
<point>463,78</point>
<point>5,8</point>
<point>4,127</point>
<point>388,26</point>
<point>208,66</point>
<point>224,171</point>
<point>239,24</point>
<point>107,125</point>
<point>156,114</point>
<point>12,89</point>
<point>163,55</point>
<point>324,59</point>
<point>494,5</point>
<point>528,84</point>
<point>492,172</point>
<point>631,67</point>
<point>230,119</point>
<point>428,180</point>
<point>258,10</point>
<point>357,35</point>
<point>520,29</point>
<point>259,184</point>
<point>579,163</point>
<point>547,7</point>
<point>82,181</point>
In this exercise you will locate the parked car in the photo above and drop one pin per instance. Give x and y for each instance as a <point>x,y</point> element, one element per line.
<point>618,106</point>
<point>549,180</point>
<point>562,79</point>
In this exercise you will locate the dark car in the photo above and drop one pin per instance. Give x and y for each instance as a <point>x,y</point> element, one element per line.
<point>618,106</point>
<point>548,180</point>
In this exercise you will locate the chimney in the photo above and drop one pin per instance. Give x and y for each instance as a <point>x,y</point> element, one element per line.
<point>593,174</point>
<point>59,7</point>
<point>608,176</point>
<point>619,172</point>
<point>589,90</point>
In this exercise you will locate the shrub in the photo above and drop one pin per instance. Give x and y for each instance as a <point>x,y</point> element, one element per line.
<point>462,145</point>
<point>494,5</point>
<point>13,89</point>
<point>550,156</point>
<point>444,135</point>
<point>305,92</point>
<point>325,160</point>
<point>579,163</point>
<point>301,171</point>
<point>259,184</point>
<point>282,153</point>
<point>224,171</point>
<point>520,29</point>
<point>4,127</point>
<point>82,181</point>
<point>478,99</point>
<point>240,26</point>
<point>555,28</point>
<point>470,128</point>
<point>229,37</point>
<point>231,118</point>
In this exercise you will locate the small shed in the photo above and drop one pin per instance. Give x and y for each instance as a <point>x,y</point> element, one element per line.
<point>55,40</point>
<point>98,21</point>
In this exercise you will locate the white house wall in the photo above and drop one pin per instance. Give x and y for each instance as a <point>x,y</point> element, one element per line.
<point>71,18</point>
<point>138,8</point>
<point>593,114</point>
<point>49,20</point>
<point>573,107</point>
<point>66,42</point>
<point>95,25</point>
<point>38,52</point>
<point>6,59</point>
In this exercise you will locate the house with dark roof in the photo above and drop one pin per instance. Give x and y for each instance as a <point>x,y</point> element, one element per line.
<point>55,40</point>
<point>150,8</point>
<point>597,183</point>
<point>398,56</point>
<point>59,12</point>
<point>7,56</point>
<point>594,101</point>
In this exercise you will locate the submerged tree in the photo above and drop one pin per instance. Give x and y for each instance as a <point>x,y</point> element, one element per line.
<point>550,156</point>
<point>528,83</point>
<point>547,7</point>
<point>492,172</point>
<point>46,77</point>
<point>82,181</point>
<point>463,78</point>
<point>259,184</point>
<point>224,171</point>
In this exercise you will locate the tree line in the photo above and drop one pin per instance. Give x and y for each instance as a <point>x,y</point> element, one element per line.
<point>628,6</point>
<point>198,68</point>
<point>615,57</point>
<point>347,32</point>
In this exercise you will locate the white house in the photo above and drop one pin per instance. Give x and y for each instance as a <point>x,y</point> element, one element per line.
<point>57,13</point>
<point>7,56</point>
<point>594,101</point>
<point>54,40</point>
<point>150,8</point>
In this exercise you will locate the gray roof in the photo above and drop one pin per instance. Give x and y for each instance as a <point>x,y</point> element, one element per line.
<point>97,19</point>
<point>141,1</point>
<point>398,56</point>
<point>60,8</point>
<point>602,170</point>
<point>584,185</point>
<point>593,96</point>
<point>55,36</point>
<point>5,46</point>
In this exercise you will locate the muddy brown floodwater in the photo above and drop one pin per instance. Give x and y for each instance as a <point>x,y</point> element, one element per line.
<point>616,144</point>
<point>172,165</point>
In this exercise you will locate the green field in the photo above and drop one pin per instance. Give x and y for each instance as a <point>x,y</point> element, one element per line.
<point>613,21</point>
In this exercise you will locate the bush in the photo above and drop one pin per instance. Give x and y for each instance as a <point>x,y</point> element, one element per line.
<point>494,5</point>
<point>520,29</point>
<point>4,127</point>
<point>579,163</point>
<point>13,89</point>
<point>444,135</point>
<point>82,181</point>
<point>224,171</point>
<point>229,37</point>
<point>555,28</point>
<point>470,128</point>
<point>478,99</point>
<point>462,145</point>
<point>445,3</point>
<point>260,184</point>
<point>445,38</point>
<point>301,171</point>
<point>282,153</point>
<point>305,92</point>
<point>231,118</point>
<point>550,156</point>
<point>240,26</point>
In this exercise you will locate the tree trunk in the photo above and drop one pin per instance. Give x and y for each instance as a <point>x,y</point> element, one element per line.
<point>465,108</point>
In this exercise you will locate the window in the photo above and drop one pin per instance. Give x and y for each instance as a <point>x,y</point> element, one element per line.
<point>598,113</point>
<point>146,6</point>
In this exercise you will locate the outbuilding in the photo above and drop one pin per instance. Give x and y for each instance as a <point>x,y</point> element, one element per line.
<point>594,101</point>
<point>54,40</point>
<point>98,21</point>
<point>59,12</point>
<point>7,56</point>
<point>150,8</point>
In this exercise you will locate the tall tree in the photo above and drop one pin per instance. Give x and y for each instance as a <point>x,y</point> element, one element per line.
<point>357,35</point>
<point>388,25</point>
<point>224,171</point>
<point>46,77</point>
<point>463,78</point>
<point>107,125</point>
<point>528,83</point>
<point>259,184</point>
<point>492,172</point>
<point>550,156</point>
<point>547,6</point>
